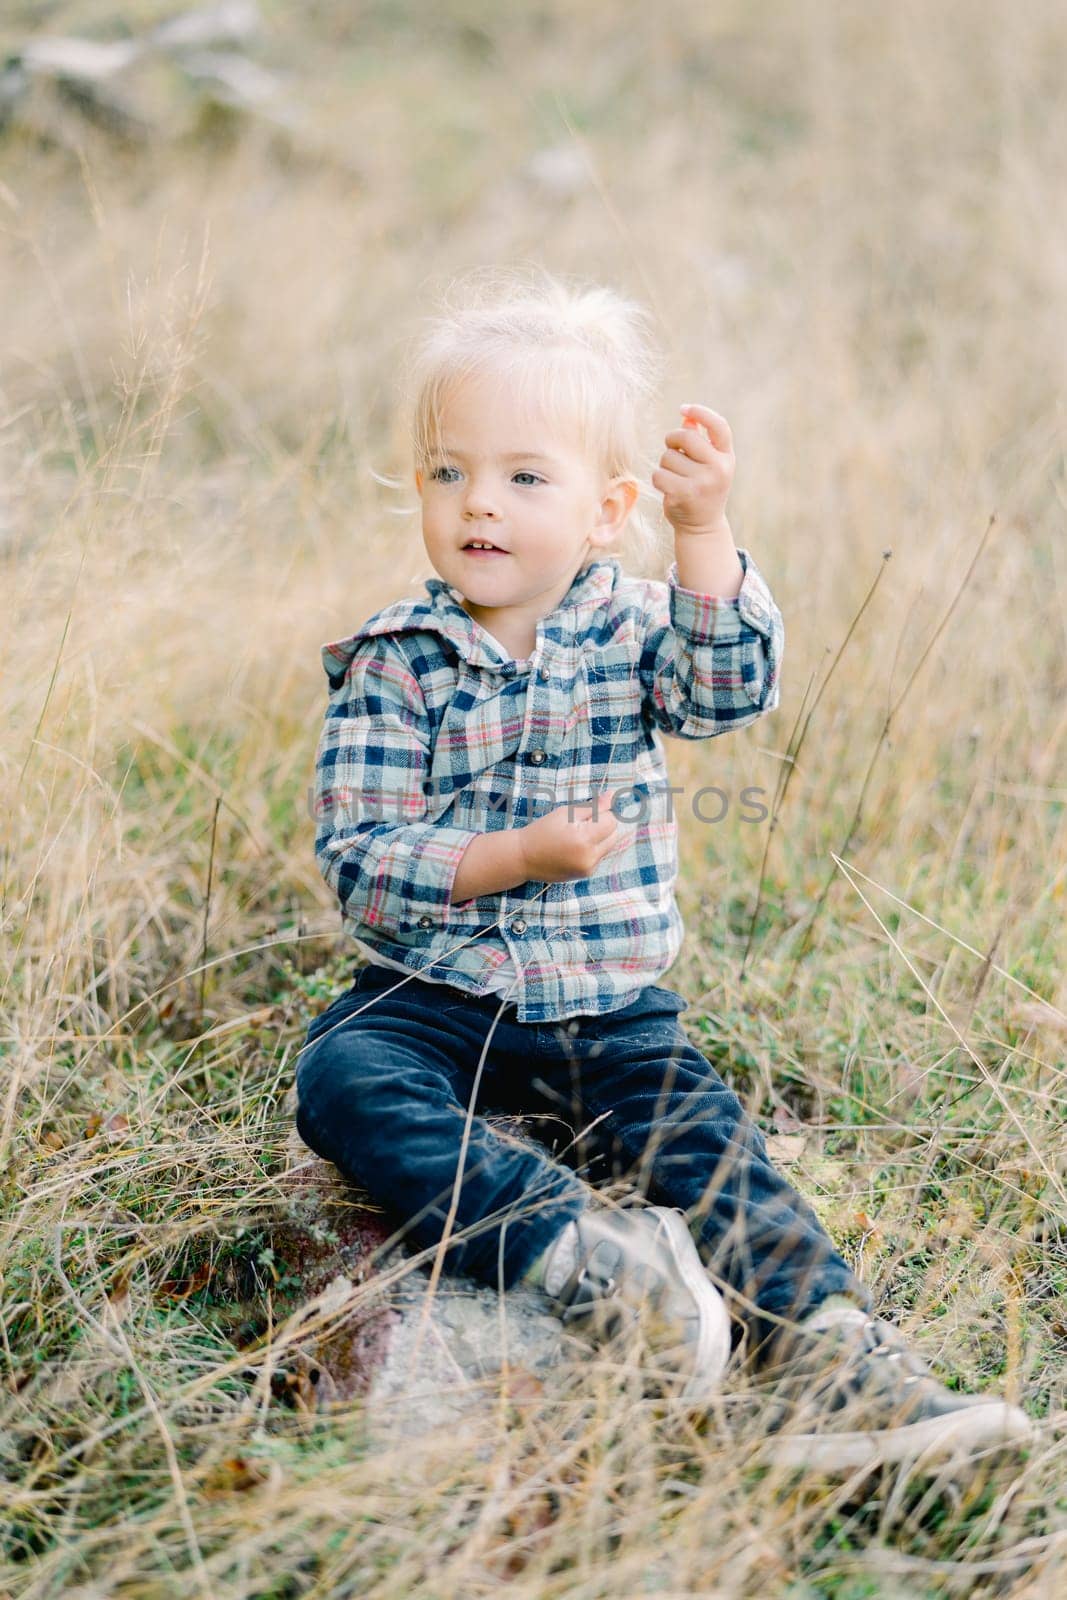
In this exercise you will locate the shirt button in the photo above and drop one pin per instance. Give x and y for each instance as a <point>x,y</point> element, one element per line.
<point>425,922</point>
<point>537,757</point>
<point>544,674</point>
<point>518,926</point>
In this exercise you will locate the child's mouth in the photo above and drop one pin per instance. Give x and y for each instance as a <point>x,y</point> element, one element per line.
<point>480,550</point>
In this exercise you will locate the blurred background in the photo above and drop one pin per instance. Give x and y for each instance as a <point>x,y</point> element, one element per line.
<point>217,227</point>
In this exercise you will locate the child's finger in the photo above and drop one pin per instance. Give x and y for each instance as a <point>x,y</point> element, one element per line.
<point>668,482</point>
<point>686,463</point>
<point>714,425</point>
<point>691,444</point>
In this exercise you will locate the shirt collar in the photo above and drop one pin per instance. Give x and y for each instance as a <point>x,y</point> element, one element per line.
<point>443,614</point>
<point>587,593</point>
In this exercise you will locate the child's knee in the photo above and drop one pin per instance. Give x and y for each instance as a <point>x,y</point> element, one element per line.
<point>332,1075</point>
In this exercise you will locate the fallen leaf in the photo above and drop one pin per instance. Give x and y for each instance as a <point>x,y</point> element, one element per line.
<point>304,1383</point>
<point>115,1126</point>
<point>236,1475</point>
<point>521,1386</point>
<point>530,1518</point>
<point>182,1288</point>
<point>785,1122</point>
<point>786,1147</point>
<point>118,1296</point>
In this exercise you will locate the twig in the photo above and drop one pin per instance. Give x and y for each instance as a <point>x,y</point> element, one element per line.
<point>207,908</point>
<point>805,940</point>
<point>792,752</point>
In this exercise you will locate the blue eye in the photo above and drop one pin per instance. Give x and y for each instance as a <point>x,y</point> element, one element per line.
<point>436,477</point>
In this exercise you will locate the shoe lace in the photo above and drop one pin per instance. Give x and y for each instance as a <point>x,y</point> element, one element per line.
<point>874,1343</point>
<point>588,1284</point>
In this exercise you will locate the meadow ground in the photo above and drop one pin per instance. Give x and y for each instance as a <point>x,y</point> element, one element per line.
<point>851,226</point>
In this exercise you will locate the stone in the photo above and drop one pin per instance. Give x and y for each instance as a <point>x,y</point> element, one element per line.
<point>416,1360</point>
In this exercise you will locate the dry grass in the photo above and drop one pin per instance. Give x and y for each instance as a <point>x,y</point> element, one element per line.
<point>851,224</point>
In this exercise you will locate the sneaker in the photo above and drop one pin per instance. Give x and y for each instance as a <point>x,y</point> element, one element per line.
<point>849,1392</point>
<point>613,1271</point>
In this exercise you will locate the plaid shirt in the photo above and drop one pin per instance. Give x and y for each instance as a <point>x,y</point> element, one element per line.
<point>433,734</point>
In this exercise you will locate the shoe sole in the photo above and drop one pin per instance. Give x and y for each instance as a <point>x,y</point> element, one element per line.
<point>936,1439</point>
<point>713,1349</point>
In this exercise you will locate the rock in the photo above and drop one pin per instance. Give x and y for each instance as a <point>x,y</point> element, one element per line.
<point>444,1349</point>
<point>375,1333</point>
<point>88,60</point>
<point>234,22</point>
<point>163,84</point>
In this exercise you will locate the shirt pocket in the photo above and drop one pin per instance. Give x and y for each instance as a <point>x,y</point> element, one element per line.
<point>605,698</point>
<point>481,727</point>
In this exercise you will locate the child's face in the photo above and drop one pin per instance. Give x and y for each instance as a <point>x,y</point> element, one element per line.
<point>507,477</point>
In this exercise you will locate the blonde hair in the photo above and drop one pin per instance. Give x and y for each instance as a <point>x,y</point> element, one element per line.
<point>580,353</point>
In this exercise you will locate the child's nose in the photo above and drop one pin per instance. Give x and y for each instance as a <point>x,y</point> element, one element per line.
<point>479,499</point>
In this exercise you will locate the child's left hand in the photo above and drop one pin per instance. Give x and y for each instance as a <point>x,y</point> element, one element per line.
<point>695,472</point>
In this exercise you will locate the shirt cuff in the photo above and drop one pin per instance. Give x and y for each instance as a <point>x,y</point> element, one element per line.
<point>712,619</point>
<point>430,872</point>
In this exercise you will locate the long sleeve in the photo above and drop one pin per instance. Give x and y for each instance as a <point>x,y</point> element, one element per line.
<point>389,868</point>
<point>708,664</point>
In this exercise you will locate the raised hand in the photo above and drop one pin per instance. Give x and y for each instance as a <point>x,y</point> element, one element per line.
<point>696,471</point>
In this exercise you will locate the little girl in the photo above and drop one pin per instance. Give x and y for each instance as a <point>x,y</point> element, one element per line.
<point>483,749</point>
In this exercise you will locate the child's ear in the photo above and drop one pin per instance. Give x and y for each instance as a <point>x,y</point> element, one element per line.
<point>615,507</point>
<point>614,512</point>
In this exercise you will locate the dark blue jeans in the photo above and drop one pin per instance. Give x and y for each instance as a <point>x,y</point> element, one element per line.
<point>384,1086</point>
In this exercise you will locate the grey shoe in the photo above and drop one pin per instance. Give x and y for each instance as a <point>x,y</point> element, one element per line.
<point>847,1392</point>
<point>639,1267</point>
